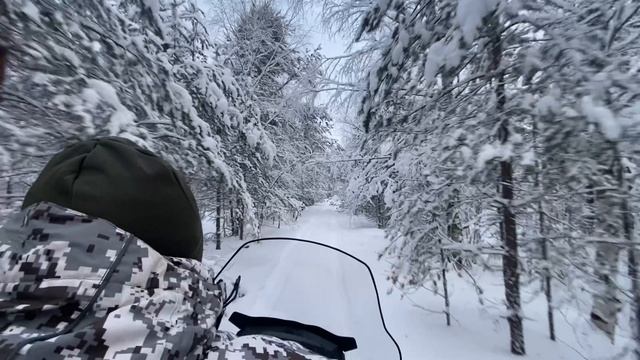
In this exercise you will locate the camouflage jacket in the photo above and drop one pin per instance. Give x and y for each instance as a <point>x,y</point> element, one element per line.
<point>77,287</point>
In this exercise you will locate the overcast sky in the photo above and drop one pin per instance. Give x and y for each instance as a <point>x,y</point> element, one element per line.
<point>330,46</point>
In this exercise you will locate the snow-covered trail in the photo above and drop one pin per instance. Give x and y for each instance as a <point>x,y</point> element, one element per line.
<point>312,284</point>
<point>324,288</point>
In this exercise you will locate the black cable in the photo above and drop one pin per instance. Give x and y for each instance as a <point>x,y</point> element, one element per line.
<point>228,300</point>
<point>373,281</point>
<point>234,293</point>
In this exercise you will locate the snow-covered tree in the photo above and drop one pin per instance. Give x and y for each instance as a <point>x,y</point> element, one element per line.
<point>138,69</point>
<point>579,71</point>
<point>281,78</point>
<point>534,100</point>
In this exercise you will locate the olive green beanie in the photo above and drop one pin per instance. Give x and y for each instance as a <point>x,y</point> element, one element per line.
<point>116,180</point>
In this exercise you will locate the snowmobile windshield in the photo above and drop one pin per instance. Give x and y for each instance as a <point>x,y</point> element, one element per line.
<point>312,284</point>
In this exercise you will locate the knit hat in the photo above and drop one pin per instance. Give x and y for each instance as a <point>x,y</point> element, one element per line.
<point>114,179</point>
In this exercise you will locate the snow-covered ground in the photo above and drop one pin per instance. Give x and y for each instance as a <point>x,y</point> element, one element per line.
<point>316,286</point>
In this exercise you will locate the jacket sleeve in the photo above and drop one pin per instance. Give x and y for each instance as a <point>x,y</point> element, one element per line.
<point>77,287</point>
<point>259,348</point>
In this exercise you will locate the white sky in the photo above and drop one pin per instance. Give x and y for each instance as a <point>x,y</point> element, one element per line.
<point>330,46</point>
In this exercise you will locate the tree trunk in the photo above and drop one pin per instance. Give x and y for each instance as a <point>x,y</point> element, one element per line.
<point>509,231</point>
<point>443,260</point>
<point>261,217</point>
<point>627,224</point>
<point>8,200</point>
<point>510,261</point>
<point>3,65</point>
<point>547,276</point>
<point>454,232</point>
<point>544,246</point>
<point>218,215</point>
<point>223,218</point>
<point>606,304</point>
<point>379,212</point>
<point>635,309</point>
<point>240,220</point>
<point>9,189</point>
<point>232,216</point>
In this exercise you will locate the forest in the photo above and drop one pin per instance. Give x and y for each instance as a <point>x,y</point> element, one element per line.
<point>480,135</point>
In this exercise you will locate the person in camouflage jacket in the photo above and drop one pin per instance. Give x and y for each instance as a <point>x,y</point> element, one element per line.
<point>78,285</point>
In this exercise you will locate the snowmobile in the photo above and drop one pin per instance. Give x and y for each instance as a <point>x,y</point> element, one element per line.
<point>306,292</point>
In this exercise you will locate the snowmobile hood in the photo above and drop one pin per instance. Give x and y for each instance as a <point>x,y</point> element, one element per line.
<point>73,284</point>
